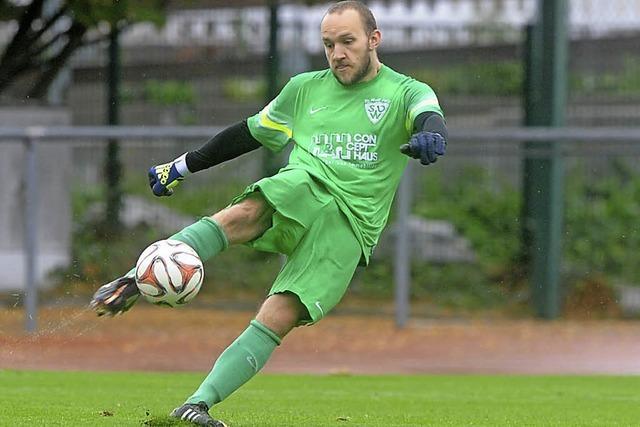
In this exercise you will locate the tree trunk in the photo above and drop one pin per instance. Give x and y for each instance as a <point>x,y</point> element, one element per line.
<point>53,66</point>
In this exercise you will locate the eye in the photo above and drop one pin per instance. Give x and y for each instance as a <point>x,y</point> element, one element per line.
<point>348,41</point>
<point>328,45</point>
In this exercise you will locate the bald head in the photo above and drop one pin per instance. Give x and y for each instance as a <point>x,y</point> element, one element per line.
<point>366,16</point>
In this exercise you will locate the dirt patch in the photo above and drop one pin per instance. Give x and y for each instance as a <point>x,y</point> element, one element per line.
<point>158,339</point>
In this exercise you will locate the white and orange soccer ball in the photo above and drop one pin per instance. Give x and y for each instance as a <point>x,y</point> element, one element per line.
<point>169,272</point>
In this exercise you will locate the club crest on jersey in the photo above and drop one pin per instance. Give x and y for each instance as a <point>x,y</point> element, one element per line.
<point>376,108</point>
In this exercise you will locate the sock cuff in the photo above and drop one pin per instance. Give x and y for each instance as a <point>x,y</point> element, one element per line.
<point>214,224</point>
<point>256,324</point>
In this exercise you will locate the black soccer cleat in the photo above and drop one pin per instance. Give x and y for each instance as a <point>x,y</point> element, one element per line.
<point>196,413</point>
<point>115,297</point>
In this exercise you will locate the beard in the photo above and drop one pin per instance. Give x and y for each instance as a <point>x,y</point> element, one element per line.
<point>358,74</point>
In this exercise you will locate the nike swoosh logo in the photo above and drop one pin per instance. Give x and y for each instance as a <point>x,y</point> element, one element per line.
<point>315,110</point>
<point>253,363</point>
<point>320,308</point>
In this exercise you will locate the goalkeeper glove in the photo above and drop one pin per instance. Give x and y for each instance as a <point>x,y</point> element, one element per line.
<point>164,178</point>
<point>426,146</point>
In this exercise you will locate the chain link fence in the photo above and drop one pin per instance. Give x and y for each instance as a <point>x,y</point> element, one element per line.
<point>207,68</point>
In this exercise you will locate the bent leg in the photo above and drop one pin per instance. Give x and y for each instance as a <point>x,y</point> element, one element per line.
<point>320,269</point>
<point>281,313</point>
<point>251,350</point>
<point>235,224</point>
<point>246,220</point>
<point>311,283</point>
<point>239,223</point>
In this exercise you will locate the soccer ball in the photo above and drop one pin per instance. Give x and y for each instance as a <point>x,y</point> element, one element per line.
<point>169,272</point>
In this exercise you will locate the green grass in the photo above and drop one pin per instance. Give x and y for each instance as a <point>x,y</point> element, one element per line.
<point>130,399</point>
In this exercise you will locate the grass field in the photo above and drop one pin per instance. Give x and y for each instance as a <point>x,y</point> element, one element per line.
<point>133,399</point>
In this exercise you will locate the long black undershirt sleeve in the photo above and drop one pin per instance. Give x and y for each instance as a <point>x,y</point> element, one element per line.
<point>431,121</point>
<point>232,142</point>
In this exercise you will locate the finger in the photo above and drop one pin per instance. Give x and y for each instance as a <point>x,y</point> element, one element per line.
<point>412,148</point>
<point>424,157</point>
<point>431,152</point>
<point>441,146</point>
<point>152,182</point>
<point>158,189</point>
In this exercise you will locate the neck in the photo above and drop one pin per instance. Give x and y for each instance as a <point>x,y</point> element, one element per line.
<point>374,69</point>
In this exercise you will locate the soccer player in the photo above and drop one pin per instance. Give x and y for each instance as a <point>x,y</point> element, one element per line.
<point>351,128</point>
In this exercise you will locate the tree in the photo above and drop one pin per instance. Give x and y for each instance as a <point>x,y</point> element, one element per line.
<point>48,32</point>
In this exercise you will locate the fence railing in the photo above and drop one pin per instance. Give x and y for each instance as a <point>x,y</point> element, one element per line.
<point>464,143</point>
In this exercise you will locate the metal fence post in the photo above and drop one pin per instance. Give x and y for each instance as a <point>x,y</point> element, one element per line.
<point>545,103</point>
<point>402,261</point>
<point>31,233</point>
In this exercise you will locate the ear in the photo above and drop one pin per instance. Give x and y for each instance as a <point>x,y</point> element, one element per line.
<point>374,39</point>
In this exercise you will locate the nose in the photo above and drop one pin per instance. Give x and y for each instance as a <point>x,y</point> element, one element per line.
<point>338,52</point>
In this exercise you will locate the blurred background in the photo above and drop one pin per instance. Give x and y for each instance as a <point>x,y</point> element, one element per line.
<point>467,224</point>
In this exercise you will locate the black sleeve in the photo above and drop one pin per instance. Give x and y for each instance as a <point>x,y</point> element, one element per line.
<point>232,142</point>
<point>431,122</point>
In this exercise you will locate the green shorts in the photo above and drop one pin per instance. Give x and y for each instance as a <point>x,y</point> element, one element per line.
<point>308,227</point>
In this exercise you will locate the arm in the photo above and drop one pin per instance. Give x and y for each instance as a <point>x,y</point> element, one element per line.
<point>431,122</point>
<point>271,128</point>
<point>429,140</point>
<point>232,142</point>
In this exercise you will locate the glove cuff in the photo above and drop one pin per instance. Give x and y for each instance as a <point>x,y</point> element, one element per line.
<point>181,165</point>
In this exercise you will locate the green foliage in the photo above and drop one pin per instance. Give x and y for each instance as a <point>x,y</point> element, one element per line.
<point>92,13</point>
<point>239,89</point>
<point>191,199</point>
<point>446,286</point>
<point>48,36</point>
<point>487,78</point>
<point>602,236</point>
<point>134,399</point>
<point>169,92</point>
<point>483,208</point>
<point>99,256</point>
<point>625,82</point>
<point>506,79</point>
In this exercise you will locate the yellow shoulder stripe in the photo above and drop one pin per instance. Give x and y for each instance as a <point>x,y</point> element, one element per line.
<point>429,102</point>
<point>266,122</point>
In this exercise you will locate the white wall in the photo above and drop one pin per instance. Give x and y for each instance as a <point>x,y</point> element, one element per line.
<point>54,210</point>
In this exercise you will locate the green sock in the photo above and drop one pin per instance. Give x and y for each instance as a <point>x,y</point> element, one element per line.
<point>237,364</point>
<point>206,237</point>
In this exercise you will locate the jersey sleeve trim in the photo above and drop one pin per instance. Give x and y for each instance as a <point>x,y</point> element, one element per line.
<point>266,122</point>
<point>429,104</point>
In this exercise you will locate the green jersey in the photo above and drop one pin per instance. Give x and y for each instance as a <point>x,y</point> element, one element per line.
<point>348,138</point>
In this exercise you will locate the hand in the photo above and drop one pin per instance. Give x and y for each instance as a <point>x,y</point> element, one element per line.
<point>164,178</point>
<point>426,146</point>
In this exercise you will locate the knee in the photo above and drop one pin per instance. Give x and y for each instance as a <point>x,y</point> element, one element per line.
<point>281,313</point>
<point>252,211</point>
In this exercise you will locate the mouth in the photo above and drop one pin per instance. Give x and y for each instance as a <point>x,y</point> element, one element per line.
<point>341,67</point>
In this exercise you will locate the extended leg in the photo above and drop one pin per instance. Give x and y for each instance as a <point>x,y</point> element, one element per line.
<point>236,224</point>
<point>250,351</point>
<point>244,357</point>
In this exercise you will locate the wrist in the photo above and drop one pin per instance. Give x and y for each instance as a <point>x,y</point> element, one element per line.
<point>181,165</point>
